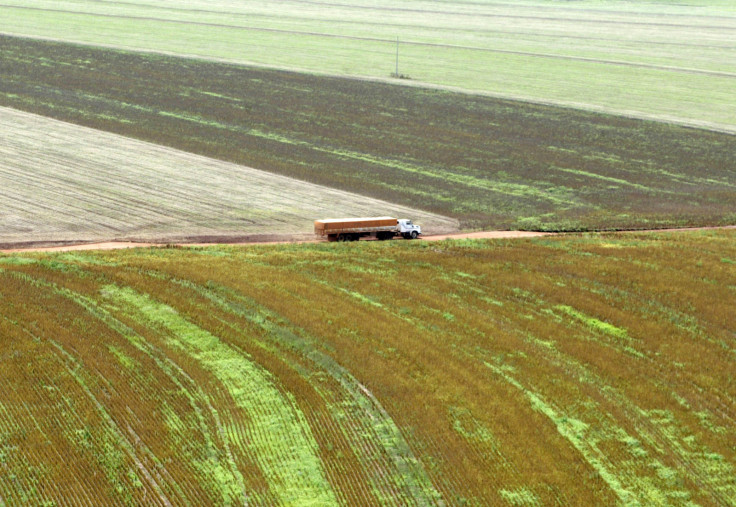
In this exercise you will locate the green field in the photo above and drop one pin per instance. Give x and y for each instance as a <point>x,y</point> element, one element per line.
<point>668,60</point>
<point>490,163</point>
<point>573,370</point>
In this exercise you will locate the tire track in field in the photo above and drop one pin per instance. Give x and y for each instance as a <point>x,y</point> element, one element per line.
<point>197,399</point>
<point>371,7</point>
<point>621,63</point>
<point>407,25</point>
<point>286,448</point>
<point>392,468</point>
<point>517,16</point>
<point>473,14</point>
<point>77,372</point>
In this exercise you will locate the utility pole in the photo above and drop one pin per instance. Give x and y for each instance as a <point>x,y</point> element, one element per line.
<point>397,57</point>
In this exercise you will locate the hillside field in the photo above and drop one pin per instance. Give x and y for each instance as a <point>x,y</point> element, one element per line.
<point>489,163</point>
<point>574,369</point>
<point>671,60</point>
<point>570,370</point>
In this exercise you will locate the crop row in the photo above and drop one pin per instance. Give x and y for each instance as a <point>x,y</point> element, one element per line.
<point>591,369</point>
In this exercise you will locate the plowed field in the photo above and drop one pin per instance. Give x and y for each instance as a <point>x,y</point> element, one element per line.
<point>574,370</point>
<point>61,182</point>
<point>490,163</point>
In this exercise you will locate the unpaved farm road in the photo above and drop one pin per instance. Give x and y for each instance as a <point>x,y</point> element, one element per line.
<point>116,245</point>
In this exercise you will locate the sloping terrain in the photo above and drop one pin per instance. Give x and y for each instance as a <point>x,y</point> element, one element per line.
<point>565,370</point>
<point>61,182</point>
<point>672,60</point>
<point>490,163</point>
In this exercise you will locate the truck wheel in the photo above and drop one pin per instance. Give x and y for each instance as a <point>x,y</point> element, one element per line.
<point>342,237</point>
<point>414,234</point>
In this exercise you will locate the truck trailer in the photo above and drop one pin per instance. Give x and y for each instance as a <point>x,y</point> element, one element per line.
<point>352,229</point>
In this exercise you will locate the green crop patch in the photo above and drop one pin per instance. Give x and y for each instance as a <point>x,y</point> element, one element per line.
<point>594,323</point>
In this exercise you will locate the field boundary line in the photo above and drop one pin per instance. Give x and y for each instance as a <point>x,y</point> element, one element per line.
<point>393,9</point>
<point>671,68</point>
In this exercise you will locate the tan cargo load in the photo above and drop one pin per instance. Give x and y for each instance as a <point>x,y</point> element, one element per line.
<point>335,225</point>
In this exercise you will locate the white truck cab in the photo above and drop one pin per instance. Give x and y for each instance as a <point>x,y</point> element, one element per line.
<point>408,229</point>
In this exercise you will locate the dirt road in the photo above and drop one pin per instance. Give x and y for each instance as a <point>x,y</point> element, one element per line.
<point>115,245</point>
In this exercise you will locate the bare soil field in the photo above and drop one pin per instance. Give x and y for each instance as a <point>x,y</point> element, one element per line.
<point>60,182</point>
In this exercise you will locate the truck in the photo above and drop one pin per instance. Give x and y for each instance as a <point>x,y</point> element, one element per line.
<point>352,229</point>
